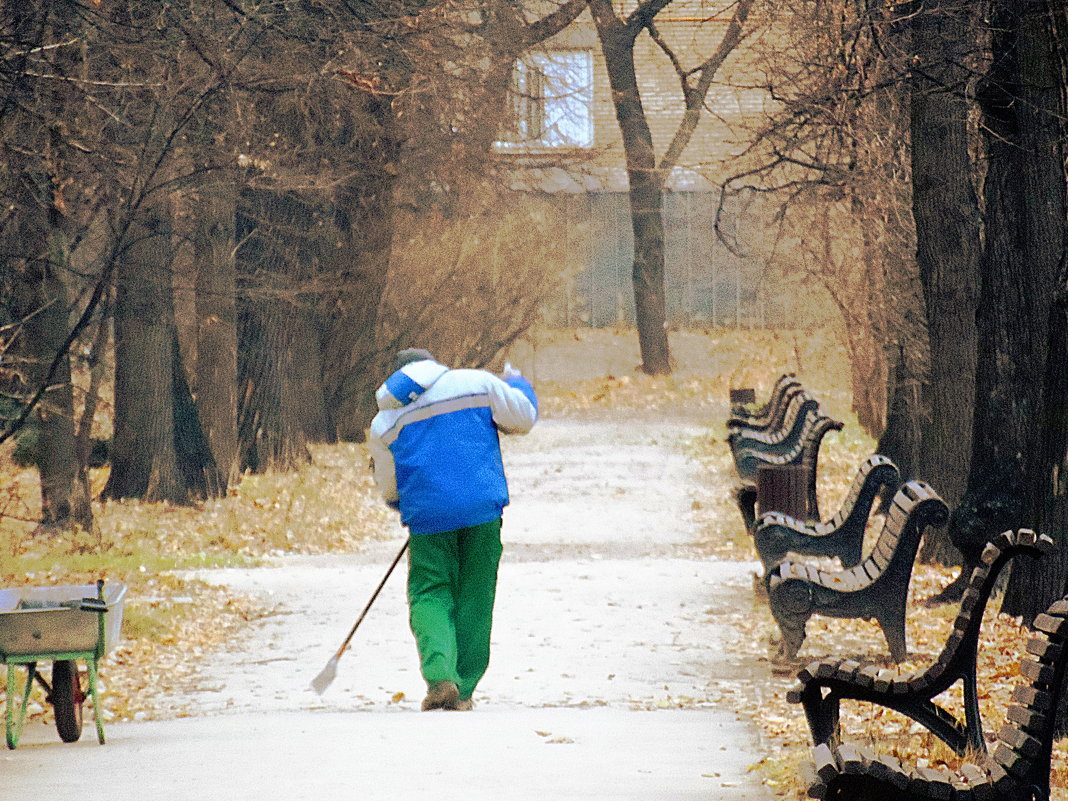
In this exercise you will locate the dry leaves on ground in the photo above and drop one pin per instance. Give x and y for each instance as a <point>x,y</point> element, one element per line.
<point>172,622</point>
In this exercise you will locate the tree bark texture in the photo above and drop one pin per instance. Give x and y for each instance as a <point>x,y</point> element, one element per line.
<point>36,175</point>
<point>946,213</point>
<point>143,459</point>
<point>215,384</point>
<point>39,299</point>
<point>900,440</point>
<point>271,409</point>
<point>356,245</point>
<point>270,430</point>
<point>1033,76</point>
<point>42,303</point>
<point>159,451</point>
<point>646,191</point>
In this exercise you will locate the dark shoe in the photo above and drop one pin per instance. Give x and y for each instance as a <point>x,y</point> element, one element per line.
<point>462,705</point>
<point>441,695</point>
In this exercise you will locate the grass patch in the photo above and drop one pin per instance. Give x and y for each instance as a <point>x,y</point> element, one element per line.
<point>152,622</point>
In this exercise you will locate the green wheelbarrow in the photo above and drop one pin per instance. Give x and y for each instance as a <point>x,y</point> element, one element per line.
<point>59,624</point>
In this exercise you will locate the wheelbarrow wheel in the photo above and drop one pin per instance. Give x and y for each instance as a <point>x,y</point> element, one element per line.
<point>67,698</point>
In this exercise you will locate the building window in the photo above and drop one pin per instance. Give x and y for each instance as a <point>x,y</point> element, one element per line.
<point>551,102</point>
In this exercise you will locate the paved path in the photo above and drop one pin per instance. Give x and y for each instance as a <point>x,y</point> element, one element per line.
<point>610,678</point>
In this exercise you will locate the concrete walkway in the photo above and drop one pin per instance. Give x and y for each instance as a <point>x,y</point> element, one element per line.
<point>610,677</point>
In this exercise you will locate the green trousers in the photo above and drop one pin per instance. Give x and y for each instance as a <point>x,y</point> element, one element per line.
<point>452,582</point>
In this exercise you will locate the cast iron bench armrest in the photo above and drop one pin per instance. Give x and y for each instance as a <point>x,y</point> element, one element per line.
<point>823,684</point>
<point>777,534</point>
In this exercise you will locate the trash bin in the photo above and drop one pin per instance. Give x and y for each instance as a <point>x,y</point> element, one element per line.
<point>783,488</point>
<point>740,397</point>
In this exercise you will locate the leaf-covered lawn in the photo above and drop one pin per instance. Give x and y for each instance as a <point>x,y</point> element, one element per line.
<point>173,622</point>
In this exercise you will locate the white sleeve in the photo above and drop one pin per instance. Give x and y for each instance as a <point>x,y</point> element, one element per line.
<point>385,471</point>
<point>512,410</point>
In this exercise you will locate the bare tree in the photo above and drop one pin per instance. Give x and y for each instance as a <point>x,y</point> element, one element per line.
<point>647,173</point>
<point>496,265</point>
<point>44,204</point>
<point>833,157</point>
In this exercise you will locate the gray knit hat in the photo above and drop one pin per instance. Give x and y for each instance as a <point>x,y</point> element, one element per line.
<point>409,355</point>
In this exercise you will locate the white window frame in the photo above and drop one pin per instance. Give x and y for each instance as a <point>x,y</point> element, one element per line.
<point>551,102</point>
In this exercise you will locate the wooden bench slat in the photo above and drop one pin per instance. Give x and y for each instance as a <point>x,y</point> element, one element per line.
<point>1037,672</point>
<point>1051,625</point>
<point>1030,720</point>
<point>1045,649</point>
<point>1033,698</point>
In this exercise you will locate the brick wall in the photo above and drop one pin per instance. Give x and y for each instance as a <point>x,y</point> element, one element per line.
<point>693,29</point>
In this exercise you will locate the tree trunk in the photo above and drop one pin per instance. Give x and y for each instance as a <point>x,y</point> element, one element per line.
<point>41,301</point>
<point>356,254</point>
<point>36,239</point>
<point>273,230</point>
<point>196,463</point>
<point>144,463</point>
<point>65,496</point>
<point>270,430</point>
<point>946,213</point>
<point>1025,210</point>
<point>1034,77</point>
<point>215,386</point>
<point>646,190</point>
<point>900,441</point>
<point>316,422</point>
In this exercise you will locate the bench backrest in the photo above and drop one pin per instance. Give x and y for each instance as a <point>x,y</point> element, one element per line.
<point>962,642</point>
<point>915,507</point>
<point>804,451</point>
<point>1020,764</point>
<point>787,430</point>
<point>811,440</point>
<point>1025,743</point>
<point>762,415</point>
<point>775,413</point>
<point>874,473</point>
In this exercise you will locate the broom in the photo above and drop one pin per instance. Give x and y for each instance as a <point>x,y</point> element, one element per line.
<point>329,673</point>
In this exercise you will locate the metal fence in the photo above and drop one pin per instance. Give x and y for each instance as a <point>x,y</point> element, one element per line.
<point>705,283</point>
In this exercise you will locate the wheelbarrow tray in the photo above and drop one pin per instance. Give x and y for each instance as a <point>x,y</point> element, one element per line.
<point>61,624</point>
<point>45,627</point>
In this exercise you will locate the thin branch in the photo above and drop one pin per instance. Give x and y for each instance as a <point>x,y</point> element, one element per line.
<point>552,24</point>
<point>695,96</point>
<point>86,82</point>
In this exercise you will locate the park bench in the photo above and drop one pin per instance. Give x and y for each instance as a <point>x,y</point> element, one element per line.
<point>876,589</point>
<point>775,534</point>
<point>823,684</point>
<point>1018,769</point>
<point>804,454</point>
<point>765,417</point>
<point>773,441</point>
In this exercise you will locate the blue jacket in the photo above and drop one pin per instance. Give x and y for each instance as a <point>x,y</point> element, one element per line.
<point>435,444</point>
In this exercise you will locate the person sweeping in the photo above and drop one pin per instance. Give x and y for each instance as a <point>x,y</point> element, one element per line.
<point>436,452</point>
